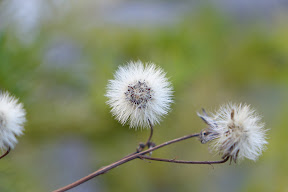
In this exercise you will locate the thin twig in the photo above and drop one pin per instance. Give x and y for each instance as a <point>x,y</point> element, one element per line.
<point>147,143</point>
<point>184,162</point>
<point>128,155</point>
<point>6,153</point>
<point>151,133</point>
<point>120,162</point>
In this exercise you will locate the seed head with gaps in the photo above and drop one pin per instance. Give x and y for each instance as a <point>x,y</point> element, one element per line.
<point>236,131</point>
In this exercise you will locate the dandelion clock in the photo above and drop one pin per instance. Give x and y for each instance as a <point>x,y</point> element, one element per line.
<point>139,95</point>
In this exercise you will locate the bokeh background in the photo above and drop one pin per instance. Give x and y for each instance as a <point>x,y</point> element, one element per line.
<point>57,57</point>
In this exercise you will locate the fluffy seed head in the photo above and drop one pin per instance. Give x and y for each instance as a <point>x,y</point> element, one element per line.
<point>139,94</point>
<point>12,118</point>
<point>236,131</point>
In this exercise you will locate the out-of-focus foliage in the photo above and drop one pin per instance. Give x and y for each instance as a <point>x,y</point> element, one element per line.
<point>210,58</point>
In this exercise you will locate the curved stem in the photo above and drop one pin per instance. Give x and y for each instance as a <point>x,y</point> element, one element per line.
<point>6,153</point>
<point>146,144</point>
<point>122,161</point>
<point>184,162</point>
<point>151,133</point>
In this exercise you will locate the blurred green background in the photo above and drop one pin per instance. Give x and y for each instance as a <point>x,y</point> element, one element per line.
<point>57,57</point>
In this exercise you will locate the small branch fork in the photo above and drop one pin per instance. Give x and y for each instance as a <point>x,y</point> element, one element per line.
<point>6,153</point>
<point>141,155</point>
<point>122,161</point>
<point>148,144</point>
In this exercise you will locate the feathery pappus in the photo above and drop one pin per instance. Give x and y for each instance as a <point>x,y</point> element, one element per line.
<point>235,131</point>
<point>12,119</point>
<point>139,93</point>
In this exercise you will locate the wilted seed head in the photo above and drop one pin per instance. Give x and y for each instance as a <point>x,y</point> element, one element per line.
<point>12,118</point>
<point>139,94</point>
<point>210,133</point>
<point>236,131</point>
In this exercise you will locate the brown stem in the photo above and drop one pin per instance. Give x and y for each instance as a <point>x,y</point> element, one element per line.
<point>147,143</point>
<point>120,162</point>
<point>6,153</point>
<point>184,162</point>
<point>151,133</point>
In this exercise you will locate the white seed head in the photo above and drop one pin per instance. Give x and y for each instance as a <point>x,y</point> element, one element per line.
<point>236,131</point>
<point>139,94</point>
<point>12,118</point>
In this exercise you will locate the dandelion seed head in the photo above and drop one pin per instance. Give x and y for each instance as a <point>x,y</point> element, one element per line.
<point>236,131</point>
<point>139,93</point>
<point>12,119</point>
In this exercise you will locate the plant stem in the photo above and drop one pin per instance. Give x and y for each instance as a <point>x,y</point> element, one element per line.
<point>120,162</point>
<point>184,162</point>
<point>151,133</point>
<point>6,153</point>
<point>146,144</point>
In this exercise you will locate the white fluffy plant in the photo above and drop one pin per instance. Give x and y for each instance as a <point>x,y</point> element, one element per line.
<point>235,131</point>
<point>139,94</point>
<point>12,119</point>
